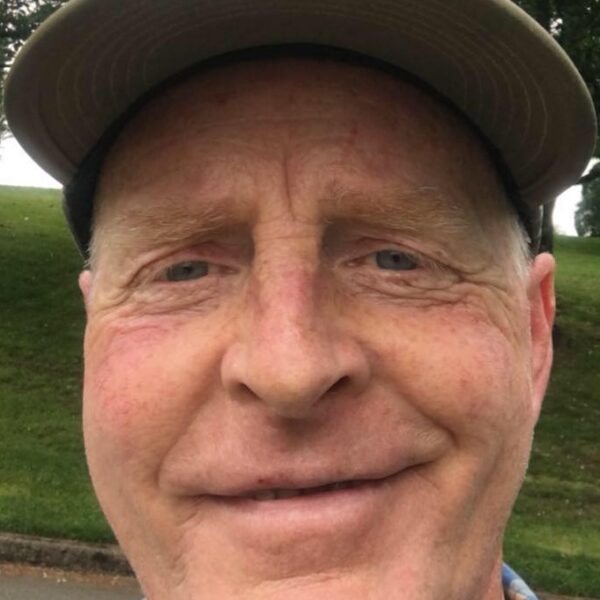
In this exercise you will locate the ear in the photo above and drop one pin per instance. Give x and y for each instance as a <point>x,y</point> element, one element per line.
<point>542,307</point>
<point>85,285</point>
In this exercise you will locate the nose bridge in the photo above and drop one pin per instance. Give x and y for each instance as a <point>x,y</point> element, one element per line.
<point>287,339</point>
<point>284,297</point>
<point>288,355</point>
<point>285,283</point>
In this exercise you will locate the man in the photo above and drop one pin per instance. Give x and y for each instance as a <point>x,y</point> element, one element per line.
<point>318,338</point>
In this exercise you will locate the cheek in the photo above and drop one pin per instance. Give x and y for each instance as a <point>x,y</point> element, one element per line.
<point>141,386</point>
<point>458,368</point>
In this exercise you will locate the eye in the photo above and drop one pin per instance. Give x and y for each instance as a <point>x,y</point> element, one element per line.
<point>395,260</point>
<point>186,271</point>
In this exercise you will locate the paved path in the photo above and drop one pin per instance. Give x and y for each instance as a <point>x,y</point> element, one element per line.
<point>18,582</point>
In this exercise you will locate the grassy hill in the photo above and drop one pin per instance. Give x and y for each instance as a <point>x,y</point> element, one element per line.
<point>44,487</point>
<point>554,536</point>
<point>555,529</point>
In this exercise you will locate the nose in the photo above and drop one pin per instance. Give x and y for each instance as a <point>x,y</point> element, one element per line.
<point>290,354</point>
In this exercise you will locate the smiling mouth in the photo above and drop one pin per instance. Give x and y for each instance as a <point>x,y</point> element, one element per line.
<point>282,494</point>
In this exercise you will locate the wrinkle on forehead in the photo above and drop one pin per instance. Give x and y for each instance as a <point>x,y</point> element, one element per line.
<point>271,92</point>
<point>421,213</point>
<point>169,175</point>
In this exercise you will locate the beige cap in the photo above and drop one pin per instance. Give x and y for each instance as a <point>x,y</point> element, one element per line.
<point>93,59</point>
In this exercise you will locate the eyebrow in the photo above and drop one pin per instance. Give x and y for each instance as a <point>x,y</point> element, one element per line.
<point>410,211</point>
<point>167,222</point>
<point>423,211</point>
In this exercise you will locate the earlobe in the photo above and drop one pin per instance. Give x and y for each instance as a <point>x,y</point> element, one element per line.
<point>85,285</point>
<point>542,308</point>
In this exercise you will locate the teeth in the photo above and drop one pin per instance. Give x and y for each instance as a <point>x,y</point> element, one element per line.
<point>287,493</point>
<point>290,493</point>
<point>265,495</point>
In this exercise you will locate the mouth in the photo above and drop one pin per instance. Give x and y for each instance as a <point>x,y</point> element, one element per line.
<point>275,511</point>
<point>279,511</point>
<point>302,491</point>
<point>285,493</point>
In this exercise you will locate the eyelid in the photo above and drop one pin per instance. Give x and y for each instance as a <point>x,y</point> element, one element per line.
<point>421,263</point>
<point>163,274</point>
<point>413,256</point>
<point>209,252</point>
<point>368,248</point>
<point>155,271</point>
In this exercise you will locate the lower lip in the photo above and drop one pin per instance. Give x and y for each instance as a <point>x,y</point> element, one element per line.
<point>349,509</point>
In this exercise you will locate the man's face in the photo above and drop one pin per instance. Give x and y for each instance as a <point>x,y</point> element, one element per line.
<point>304,277</point>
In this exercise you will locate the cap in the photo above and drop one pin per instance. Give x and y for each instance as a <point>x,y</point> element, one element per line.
<point>93,59</point>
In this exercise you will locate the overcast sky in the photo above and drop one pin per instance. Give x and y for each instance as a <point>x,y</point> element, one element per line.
<point>16,168</point>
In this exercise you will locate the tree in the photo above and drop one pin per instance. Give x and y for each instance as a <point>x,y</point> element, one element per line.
<point>587,215</point>
<point>18,18</point>
<point>576,26</point>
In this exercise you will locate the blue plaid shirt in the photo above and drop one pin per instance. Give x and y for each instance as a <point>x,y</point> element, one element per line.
<point>514,587</point>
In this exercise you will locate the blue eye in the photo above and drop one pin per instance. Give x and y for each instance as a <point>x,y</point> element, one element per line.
<point>395,260</point>
<point>186,271</point>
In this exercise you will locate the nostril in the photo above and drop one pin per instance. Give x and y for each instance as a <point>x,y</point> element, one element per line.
<point>245,390</point>
<point>292,382</point>
<point>339,385</point>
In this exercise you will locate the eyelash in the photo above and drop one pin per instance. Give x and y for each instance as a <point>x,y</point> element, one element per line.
<point>160,273</point>
<point>212,268</point>
<point>370,258</point>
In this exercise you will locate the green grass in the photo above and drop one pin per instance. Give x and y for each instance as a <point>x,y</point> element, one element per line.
<point>44,487</point>
<point>554,535</point>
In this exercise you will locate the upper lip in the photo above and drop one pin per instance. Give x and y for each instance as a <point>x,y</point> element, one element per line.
<point>253,485</point>
<point>221,477</point>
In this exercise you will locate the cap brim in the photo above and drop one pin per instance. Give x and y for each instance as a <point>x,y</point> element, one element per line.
<point>94,58</point>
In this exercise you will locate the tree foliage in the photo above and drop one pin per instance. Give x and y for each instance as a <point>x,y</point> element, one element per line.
<point>576,27</point>
<point>18,18</point>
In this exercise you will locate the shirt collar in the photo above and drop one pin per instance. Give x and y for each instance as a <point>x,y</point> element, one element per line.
<point>514,587</point>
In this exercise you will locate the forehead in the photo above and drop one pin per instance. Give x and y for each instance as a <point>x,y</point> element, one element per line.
<point>325,120</point>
